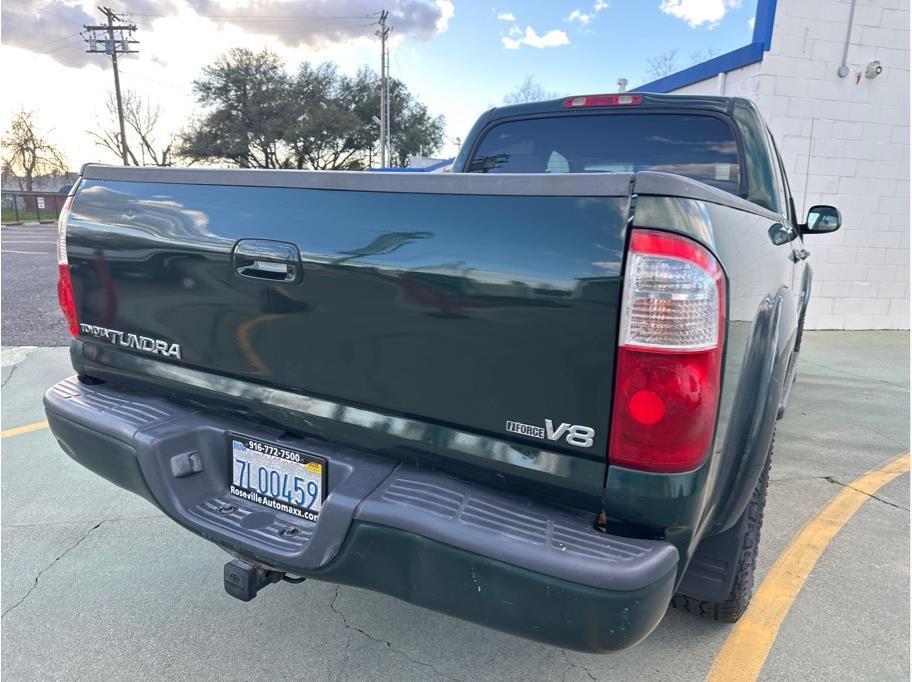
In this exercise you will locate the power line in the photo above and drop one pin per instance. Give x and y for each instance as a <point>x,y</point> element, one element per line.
<point>62,49</point>
<point>34,52</point>
<point>398,66</point>
<point>55,40</point>
<point>169,84</point>
<point>112,46</point>
<point>263,17</point>
<point>322,29</point>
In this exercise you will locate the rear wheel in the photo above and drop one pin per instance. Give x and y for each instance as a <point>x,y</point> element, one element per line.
<point>735,604</point>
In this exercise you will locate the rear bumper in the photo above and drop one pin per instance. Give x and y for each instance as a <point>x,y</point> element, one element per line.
<point>434,540</point>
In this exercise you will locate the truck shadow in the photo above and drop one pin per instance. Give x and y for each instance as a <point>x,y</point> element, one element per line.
<point>382,634</point>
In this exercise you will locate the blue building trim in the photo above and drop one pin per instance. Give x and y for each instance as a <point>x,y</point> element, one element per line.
<point>763,23</point>
<point>736,59</point>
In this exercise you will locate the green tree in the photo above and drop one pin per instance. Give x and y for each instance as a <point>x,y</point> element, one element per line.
<point>246,97</point>
<point>414,131</point>
<point>258,116</point>
<point>326,132</point>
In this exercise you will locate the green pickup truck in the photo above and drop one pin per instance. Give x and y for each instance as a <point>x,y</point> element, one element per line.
<point>538,393</point>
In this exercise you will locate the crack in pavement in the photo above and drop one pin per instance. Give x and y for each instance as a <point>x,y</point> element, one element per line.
<point>576,665</point>
<point>346,653</point>
<point>13,357</point>
<point>10,375</point>
<point>836,481</point>
<point>389,645</point>
<point>786,479</point>
<point>52,524</point>
<point>49,566</point>
<point>863,492</point>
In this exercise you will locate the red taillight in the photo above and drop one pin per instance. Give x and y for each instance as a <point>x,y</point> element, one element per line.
<point>670,354</point>
<point>65,296</point>
<point>64,283</point>
<point>601,101</point>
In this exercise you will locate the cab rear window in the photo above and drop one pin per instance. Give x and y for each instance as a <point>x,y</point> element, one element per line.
<point>698,147</point>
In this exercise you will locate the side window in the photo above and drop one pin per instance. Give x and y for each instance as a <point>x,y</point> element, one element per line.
<point>788,191</point>
<point>785,194</point>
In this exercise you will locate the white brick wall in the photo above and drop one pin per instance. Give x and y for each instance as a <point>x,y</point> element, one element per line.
<point>859,153</point>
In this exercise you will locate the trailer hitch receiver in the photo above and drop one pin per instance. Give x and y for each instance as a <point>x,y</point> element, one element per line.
<point>243,581</point>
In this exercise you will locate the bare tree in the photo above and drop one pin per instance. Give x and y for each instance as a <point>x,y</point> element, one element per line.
<point>529,91</point>
<point>703,55</point>
<point>146,146</point>
<point>663,65</point>
<point>27,154</point>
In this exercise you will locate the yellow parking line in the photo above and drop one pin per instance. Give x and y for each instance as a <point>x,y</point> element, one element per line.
<point>749,643</point>
<point>19,430</point>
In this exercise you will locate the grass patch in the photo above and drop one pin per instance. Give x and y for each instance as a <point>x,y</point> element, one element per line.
<point>8,215</point>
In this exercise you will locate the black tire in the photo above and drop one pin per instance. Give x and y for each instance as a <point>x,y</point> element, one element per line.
<point>734,606</point>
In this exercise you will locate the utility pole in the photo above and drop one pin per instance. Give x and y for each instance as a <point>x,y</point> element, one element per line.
<point>389,118</point>
<point>111,46</point>
<point>384,89</point>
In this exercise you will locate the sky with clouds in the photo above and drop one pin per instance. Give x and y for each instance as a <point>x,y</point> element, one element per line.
<point>458,56</point>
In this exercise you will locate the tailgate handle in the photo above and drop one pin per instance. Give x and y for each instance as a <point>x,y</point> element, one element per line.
<point>267,259</point>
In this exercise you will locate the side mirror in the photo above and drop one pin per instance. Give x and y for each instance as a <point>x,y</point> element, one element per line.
<point>822,219</point>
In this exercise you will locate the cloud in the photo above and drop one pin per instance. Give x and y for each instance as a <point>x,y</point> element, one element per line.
<point>316,23</point>
<point>751,22</point>
<point>552,38</point>
<point>581,17</point>
<point>506,16</point>
<point>447,10</point>
<point>51,27</point>
<point>699,12</point>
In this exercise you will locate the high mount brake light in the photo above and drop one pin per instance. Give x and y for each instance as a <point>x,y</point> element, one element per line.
<point>669,356</point>
<point>601,101</point>
<point>64,283</point>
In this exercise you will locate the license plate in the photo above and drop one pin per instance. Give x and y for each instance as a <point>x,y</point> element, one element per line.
<point>276,477</point>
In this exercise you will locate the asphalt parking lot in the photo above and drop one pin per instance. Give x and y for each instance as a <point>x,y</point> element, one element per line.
<point>97,584</point>
<point>29,287</point>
